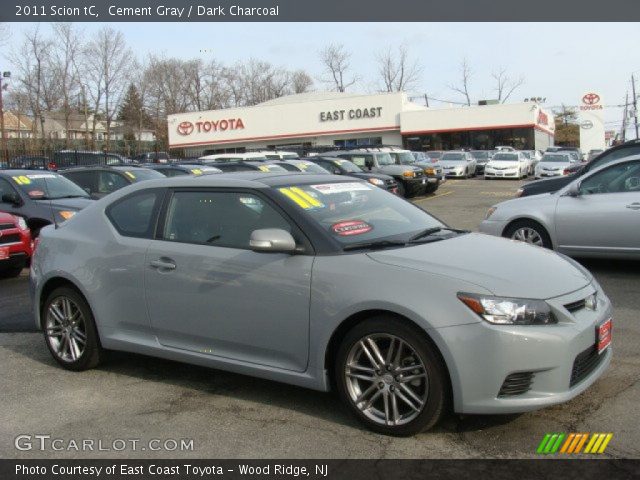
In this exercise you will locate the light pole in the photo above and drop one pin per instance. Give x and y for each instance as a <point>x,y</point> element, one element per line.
<point>5,153</point>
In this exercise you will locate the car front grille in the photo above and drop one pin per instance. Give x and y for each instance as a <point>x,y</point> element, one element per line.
<point>419,173</point>
<point>13,238</point>
<point>516,384</point>
<point>585,363</point>
<point>575,306</point>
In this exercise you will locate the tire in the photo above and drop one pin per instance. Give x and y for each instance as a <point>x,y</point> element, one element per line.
<point>522,226</point>
<point>11,272</point>
<point>401,190</point>
<point>61,336</point>
<point>432,388</point>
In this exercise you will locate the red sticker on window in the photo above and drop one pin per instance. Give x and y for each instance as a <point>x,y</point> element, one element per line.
<point>36,193</point>
<point>351,227</point>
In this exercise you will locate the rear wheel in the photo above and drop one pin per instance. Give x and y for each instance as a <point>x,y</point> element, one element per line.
<point>529,231</point>
<point>391,377</point>
<point>70,331</point>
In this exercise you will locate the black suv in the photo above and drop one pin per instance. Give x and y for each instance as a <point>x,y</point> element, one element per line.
<point>102,180</point>
<point>41,198</point>
<point>341,166</point>
<point>179,169</point>
<point>554,184</point>
<point>153,157</point>
<point>72,158</point>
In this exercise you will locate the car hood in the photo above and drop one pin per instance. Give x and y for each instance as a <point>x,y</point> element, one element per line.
<point>505,267</point>
<point>68,203</point>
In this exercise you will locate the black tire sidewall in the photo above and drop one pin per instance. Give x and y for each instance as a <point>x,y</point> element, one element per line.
<point>92,354</point>
<point>436,373</point>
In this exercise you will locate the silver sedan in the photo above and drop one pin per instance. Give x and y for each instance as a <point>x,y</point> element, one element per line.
<point>596,215</point>
<point>323,282</point>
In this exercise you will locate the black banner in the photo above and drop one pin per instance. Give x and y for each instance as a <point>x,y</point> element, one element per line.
<point>319,469</point>
<point>318,11</point>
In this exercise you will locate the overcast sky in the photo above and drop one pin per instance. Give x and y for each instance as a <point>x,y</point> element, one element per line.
<point>559,61</point>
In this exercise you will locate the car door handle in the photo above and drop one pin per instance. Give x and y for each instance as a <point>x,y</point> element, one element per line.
<point>163,264</point>
<point>634,206</point>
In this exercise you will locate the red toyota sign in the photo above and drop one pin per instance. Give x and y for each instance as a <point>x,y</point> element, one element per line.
<point>591,101</point>
<point>185,128</point>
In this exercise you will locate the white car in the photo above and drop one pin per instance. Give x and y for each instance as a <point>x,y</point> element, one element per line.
<point>507,165</point>
<point>458,164</point>
<point>554,164</point>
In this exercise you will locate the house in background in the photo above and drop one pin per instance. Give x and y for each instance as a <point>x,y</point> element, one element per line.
<point>119,130</point>
<point>56,128</point>
<point>17,125</point>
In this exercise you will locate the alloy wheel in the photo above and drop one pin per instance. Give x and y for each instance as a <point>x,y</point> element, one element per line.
<point>386,379</point>
<point>66,329</point>
<point>528,235</point>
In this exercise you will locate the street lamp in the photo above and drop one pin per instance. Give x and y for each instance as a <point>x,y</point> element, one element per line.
<point>5,75</point>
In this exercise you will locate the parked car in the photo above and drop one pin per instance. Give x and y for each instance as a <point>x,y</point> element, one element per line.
<point>75,158</point>
<point>554,184</point>
<point>177,169</point>
<point>554,164</point>
<point>458,164</point>
<point>31,162</point>
<point>507,165</point>
<point>534,157</point>
<point>593,153</point>
<point>504,148</point>
<point>41,198</point>
<point>411,180</point>
<point>102,180</point>
<point>340,166</point>
<point>233,157</point>
<point>279,155</point>
<point>482,158</point>
<point>301,279</point>
<point>246,166</point>
<point>15,245</point>
<point>301,165</point>
<point>596,215</point>
<point>434,155</point>
<point>152,157</point>
<point>433,171</point>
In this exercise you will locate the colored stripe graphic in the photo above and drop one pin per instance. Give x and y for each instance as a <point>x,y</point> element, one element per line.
<point>573,443</point>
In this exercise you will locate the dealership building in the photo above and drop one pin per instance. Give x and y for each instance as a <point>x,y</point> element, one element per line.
<point>309,120</point>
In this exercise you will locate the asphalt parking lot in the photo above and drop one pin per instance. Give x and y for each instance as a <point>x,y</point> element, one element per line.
<point>229,415</point>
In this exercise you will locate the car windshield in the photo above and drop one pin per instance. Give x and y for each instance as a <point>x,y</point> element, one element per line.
<point>556,158</point>
<point>505,157</point>
<point>434,154</point>
<point>404,158</point>
<point>142,174</point>
<point>271,167</point>
<point>356,212</point>
<point>452,156</point>
<point>347,166</point>
<point>49,186</point>
<point>384,159</point>
<point>480,155</point>
<point>309,167</point>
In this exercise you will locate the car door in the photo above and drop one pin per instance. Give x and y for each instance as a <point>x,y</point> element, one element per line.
<point>208,292</point>
<point>605,216</point>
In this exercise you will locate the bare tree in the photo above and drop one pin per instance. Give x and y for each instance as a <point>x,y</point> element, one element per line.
<point>397,71</point>
<point>301,82</point>
<point>505,85</point>
<point>65,49</point>
<point>110,60</point>
<point>335,60</point>
<point>5,33</point>
<point>465,77</point>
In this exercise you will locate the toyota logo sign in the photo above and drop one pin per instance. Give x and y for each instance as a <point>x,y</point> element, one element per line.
<point>587,124</point>
<point>591,99</point>
<point>185,128</point>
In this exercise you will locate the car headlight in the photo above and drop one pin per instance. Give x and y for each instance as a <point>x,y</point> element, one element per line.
<point>509,311</point>
<point>376,181</point>
<point>22,225</point>
<point>490,212</point>
<point>66,214</point>
<point>409,174</point>
<point>429,171</point>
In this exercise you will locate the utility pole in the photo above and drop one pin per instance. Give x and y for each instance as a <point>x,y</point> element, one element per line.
<point>624,118</point>
<point>3,143</point>
<point>635,104</point>
<point>426,100</point>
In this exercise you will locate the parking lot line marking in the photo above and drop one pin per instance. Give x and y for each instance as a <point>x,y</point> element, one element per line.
<point>439,195</point>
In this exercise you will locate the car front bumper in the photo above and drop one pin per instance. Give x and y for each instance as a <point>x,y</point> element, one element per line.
<point>485,355</point>
<point>454,173</point>
<point>489,173</point>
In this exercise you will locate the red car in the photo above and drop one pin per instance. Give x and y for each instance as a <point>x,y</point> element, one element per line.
<point>15,245</point>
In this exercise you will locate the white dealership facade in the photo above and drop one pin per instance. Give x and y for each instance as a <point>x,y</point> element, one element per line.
<point>348,120</point>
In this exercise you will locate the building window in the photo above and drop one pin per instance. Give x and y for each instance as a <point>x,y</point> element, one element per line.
<point>358,142</point>
<point>520,138</point>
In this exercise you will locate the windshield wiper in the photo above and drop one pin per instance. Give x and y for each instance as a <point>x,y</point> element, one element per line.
<point>430,231</point>
<point>373,245</point>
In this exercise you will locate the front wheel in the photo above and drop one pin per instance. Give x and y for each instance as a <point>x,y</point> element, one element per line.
<point>391,377</point>
<point>529,231</point>
<point>70,331</point>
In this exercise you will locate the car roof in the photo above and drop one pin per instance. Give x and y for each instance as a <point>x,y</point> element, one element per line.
<point>25,171</point>
<point>102,167</point>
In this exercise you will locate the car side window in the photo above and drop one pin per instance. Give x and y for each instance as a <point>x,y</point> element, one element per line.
<point>222,219</point>
<point>5,188</point>
<point>134,215</point>
<point>621,178</point>
<point>85,180</point>
<point>110,182</point>
<point>359,160</point>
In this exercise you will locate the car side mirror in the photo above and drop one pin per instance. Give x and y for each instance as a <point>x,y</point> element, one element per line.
<point>574,190</point>
<point>273,240</point>
<point>12,198</point>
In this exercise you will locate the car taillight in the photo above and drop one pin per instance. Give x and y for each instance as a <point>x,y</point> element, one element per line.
<point>52,166</point>
<point>566,171</point>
